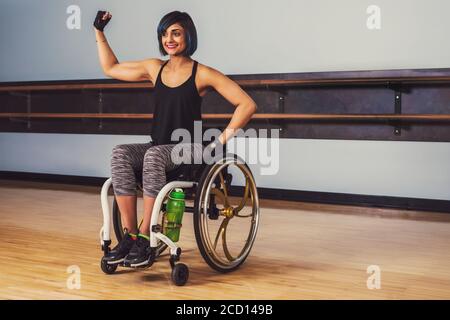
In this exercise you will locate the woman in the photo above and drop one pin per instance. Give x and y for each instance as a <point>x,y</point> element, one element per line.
<point>179,85</point>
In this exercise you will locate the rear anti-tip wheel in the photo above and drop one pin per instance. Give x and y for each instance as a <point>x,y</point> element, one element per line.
<point>180,274</point>
<point>108,268</point>
<point>226,215</point>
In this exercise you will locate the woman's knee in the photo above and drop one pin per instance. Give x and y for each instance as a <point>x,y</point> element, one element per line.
<point>121,156</point>
<point>154,175</point>
<point>154,157</point>
<point>119,151</point>
<point>151,152</point>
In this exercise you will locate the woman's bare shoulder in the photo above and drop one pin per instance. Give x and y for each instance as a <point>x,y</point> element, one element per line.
<point>206,72</point>
<point>203,68</point>
<point>153,65</point>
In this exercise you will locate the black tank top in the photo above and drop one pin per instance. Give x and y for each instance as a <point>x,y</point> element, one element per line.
<point>175,108</point>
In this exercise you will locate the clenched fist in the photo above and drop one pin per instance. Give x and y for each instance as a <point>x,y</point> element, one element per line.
<point>102,19</point>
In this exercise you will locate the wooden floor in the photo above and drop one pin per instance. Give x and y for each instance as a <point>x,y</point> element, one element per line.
<point>303,251</point>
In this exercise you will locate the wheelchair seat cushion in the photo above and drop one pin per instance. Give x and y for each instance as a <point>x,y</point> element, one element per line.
<point>184,172</point>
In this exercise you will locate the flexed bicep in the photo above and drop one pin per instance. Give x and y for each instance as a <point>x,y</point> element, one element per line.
<point>130,71</point>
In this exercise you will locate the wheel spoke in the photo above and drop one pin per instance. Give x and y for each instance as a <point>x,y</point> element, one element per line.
<point>243,201</point>
<point>224,186</point>
<point>221,196</point>
<point>222,228</point>
<point>224,244</point>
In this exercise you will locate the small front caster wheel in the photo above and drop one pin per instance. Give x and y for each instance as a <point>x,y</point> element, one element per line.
<point>108,268</point>
<point>180,274</point>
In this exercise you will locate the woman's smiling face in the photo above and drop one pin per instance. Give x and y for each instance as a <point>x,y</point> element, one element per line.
<point>173,40</point>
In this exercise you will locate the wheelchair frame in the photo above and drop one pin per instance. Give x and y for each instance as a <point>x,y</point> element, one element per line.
<point>180,271</point>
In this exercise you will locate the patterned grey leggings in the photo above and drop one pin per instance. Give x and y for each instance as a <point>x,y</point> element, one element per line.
<point>127,160</point>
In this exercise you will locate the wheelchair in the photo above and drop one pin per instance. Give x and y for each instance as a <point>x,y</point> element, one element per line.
<point>225,216</point>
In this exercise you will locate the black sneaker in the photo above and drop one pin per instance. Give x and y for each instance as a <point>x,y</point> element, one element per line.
<point>120,251</point>
<point>140,253</point>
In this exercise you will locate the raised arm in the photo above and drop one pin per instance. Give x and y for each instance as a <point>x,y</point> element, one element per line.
<point>126,71</point>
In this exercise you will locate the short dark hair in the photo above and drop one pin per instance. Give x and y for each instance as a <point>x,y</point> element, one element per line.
<point>189,28</point>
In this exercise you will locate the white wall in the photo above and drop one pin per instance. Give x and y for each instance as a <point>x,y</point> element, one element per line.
<point>235,36</point>
<point>403,169</point>
<point>239,37</point>
<point>70,154</point>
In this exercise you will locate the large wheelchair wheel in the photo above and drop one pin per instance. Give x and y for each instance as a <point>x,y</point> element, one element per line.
<point>118,229</point>
<point>226,217</point>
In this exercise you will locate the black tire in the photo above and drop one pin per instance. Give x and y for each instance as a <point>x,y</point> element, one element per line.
<point>199,237</point>
<point>108,268</point>
<point>180,274</point>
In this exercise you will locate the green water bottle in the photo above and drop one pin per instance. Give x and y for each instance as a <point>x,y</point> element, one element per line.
<point>174,214</point>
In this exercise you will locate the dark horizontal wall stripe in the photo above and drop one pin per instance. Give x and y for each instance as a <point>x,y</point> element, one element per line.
<point>269,193</point>
<point>52,178</point>
<point>324,99</point>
